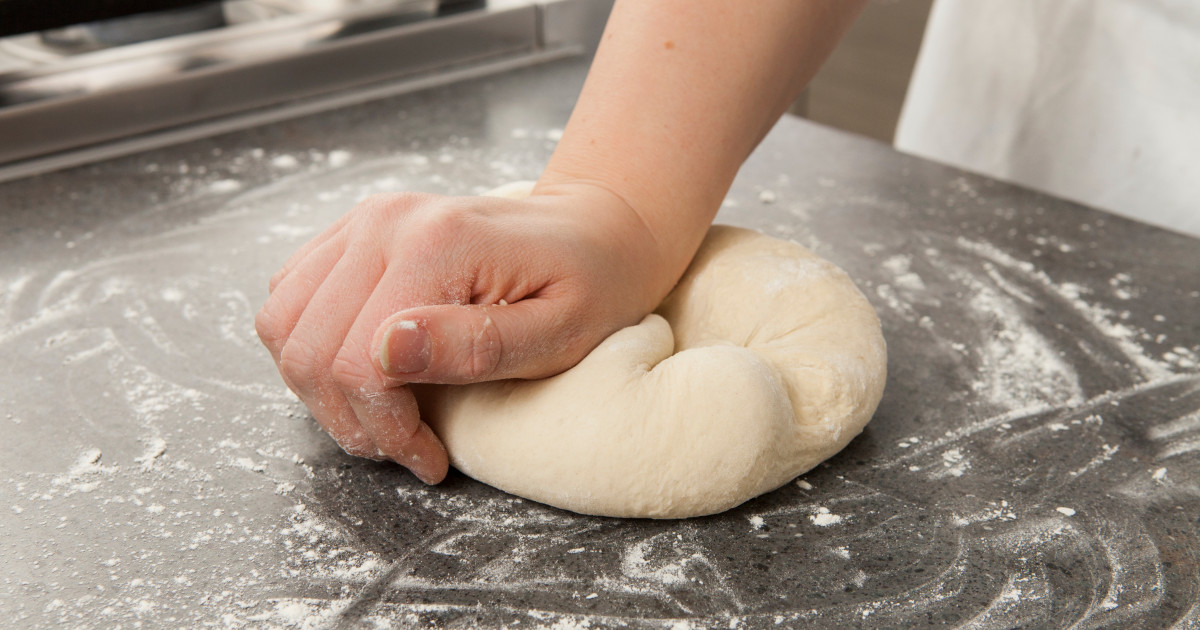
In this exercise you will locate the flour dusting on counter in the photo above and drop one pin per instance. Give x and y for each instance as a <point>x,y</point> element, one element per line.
<point>1034,462</point>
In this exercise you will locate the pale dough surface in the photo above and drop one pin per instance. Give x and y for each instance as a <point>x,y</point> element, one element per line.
<point>762,362</point>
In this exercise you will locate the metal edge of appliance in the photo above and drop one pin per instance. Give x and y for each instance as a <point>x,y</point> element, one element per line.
<point>74,125</point>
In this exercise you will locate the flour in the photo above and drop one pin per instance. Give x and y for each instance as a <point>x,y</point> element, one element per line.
<point>339,158</point>
<point>637,565</point>
<point>85,475</point>
<point>225,186</point>
<point>792,273</point>
<point>1182,447</point>
<point>205,465</point>
<point>910,282</point>
<point>954,463</point>
<point>891,298</point>
<point>301,613</point>
<point>285,161</point>
<point>824,518</point>
<point>1102,318</point>
<point>292,232</point>
<point>155,448</point>
<point>1019,367</point>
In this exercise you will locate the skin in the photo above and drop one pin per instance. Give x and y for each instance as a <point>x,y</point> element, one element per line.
<point>415,288</point>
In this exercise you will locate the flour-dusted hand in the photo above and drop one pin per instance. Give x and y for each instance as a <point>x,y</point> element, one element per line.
<point>410,288</point>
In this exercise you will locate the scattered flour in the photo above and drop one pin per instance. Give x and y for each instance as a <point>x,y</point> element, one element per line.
<point>636,562</point>
<point>155,448</point>
<point>954,463</point>
<point>339,158</point>
<point>823,518</point>
<point>225,186</point>
<point>1102,318</point>
<point>172,295</point>
<point>285,161</point>
<point>1178,426</point>
<point>1019,367</point>
<point>900,267</point>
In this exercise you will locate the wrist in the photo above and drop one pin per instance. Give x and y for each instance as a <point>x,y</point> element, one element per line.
<point>643,249</point>
<point>676,215</point>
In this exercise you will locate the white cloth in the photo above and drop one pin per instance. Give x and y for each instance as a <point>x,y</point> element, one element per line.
<point>1097,101</point>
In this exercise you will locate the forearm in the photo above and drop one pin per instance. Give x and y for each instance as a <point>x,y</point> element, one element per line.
<point>680,93</point>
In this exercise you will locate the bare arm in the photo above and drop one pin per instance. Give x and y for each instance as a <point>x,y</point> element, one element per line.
<point>680,93</point>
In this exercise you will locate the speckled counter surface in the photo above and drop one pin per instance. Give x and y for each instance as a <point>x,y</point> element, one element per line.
<point>1035,461</point>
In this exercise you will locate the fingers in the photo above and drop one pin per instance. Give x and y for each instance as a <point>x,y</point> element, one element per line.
<point>301,254</point>
<point>386,410</point>
<point>532,338</point>
<point>307,325</point>
<point>389,416</point>
<point>278,317</point>
<point>342,325</point>
<point>307,356</point>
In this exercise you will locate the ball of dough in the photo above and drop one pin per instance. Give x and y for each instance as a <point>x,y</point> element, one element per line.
<point>762,362</point>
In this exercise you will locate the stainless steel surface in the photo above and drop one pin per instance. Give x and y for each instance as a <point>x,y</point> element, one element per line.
<point>572,24</point>
<point>33,69</point>
<point>1035,461</point>
<point>210,128</point>
<point>133,29</point>
<point>86,99</point>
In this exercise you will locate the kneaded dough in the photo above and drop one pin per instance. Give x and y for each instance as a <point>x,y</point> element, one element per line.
<point>762,362</point>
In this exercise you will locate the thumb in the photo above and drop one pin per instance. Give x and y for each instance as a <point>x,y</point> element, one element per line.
<point>456,344</point>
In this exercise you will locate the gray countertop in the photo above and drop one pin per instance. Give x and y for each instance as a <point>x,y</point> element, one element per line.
<point>1035,460</point>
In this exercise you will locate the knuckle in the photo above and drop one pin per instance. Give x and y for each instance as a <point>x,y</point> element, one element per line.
<point>270,326</point>
<point>443,220</point>
<point>298,363</point>
<point>350,373</point>
<point>357,444</point>
<point>428,225</point>
<point>375,211</point>
<point>378,202</point>
<point>388,205</point>
<point>278,277</point>
<point>486,352</point>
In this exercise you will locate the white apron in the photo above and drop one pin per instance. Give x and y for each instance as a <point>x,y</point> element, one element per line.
<point>1097,101</point>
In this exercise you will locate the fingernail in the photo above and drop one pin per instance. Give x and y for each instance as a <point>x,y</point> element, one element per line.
<point>405,348</point>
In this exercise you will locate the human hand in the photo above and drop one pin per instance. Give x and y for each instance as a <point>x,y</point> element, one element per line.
<point>413,288</point>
